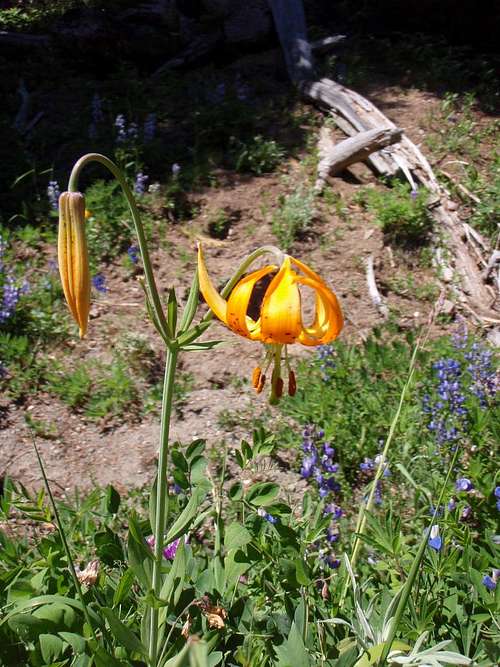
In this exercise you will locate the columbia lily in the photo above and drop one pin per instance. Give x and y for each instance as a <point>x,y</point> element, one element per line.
<point>280,321</point>
<point>73,257</point>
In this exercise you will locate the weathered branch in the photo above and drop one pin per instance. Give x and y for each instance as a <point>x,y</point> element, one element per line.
<point>337,157</point>
<point>375,295</point>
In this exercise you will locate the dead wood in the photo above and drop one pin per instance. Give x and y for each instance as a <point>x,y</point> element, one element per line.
<point>375,295</point>
<point>334,158</point>
<point>354,114</point>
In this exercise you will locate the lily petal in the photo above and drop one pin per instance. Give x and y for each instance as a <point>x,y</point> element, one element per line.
<point>328,320</point>
<point>214,300</point>
<point>281,319</point>
<point>237,305</point>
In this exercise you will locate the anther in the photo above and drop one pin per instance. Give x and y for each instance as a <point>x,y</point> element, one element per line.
<point>256,375</point>
<point>262,382</point>
<point>292,384</point>
<point>279,388</point>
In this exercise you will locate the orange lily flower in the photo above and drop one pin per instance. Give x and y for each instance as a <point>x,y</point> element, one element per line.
<point>280,322</point>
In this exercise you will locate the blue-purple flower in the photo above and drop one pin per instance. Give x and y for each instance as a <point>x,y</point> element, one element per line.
<point>435,541</point>
<point>491,582</point>
<point>133,253</point>
<point>140,183</point>
<point>464,485</point>
<point>53,193</point>
<point>99,282</point>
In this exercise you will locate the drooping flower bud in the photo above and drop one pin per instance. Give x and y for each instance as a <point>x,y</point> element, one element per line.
<point>73,257</point>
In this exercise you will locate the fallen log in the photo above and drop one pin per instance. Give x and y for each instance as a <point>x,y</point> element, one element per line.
<point>353,114</point>
<point>337,157</point>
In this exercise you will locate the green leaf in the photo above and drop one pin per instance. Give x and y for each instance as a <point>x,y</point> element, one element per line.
<point>172,310</point>
<point>201,346</point>
<point>262,494</point>
<point>112,499</point>
<point>191,304</point>
<point>82,660</point>
<point>51,647</point>
<point>187,515</point>
<point>198,653</point>
<point>77,642</point>
<point>292,653</point>
<point>103,659</point>
<point>179,660</point>
<point>236,491</point>
<point>124,586</point>
<point>236,536</point>
<point>300,572</point>
<point>196,448</point>
<point>122,633</point>
<point>49,599</point>
<point>179,460</point>
<point>373,655</point>
<point>174,581</point>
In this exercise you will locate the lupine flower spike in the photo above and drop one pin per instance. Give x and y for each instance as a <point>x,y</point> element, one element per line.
<point>280,320</point>
<point>73,257</point>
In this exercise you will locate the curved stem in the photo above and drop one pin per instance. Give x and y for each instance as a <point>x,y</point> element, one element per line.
<point>162,504</point>
<point>153,295</point>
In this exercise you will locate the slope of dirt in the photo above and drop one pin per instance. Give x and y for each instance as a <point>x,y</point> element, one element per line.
<point>83,453</point>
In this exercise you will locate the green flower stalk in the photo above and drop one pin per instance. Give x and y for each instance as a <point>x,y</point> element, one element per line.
<point>177,336</point>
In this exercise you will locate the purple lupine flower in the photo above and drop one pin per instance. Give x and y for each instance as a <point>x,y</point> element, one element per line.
<point>497,496</point>
<point>367,465</point>
<point>414,193</point>
<point>53,193</point>
<point>326,355</point>
<point>464,484</point>
<point>140,183</point>
<point>452,503</point>
<point>132,132</point>
<point>266,516</point>
<point>121,127</point>
<point>132,252</point>
<point>438,511</point>
<point>485,380</point>
<point>99,282</point>
<point>447,414</point>
<point>332,561</point>
<point>334,510</point>
<point>491,582</point>
<point>435,541</point>
<point>466,513</point>
<point>332,535</point>
<point>149,128</point>
<point>171,549</point>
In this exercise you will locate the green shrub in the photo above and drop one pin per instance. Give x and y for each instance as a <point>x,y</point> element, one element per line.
<point>257,156</point>
<point>293,217</point>
<point>401,212</point>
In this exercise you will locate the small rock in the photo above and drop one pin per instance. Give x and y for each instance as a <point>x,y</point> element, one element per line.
<point>494,337</point>
<point>447,274</point>
<point>448,307</point>
<point>452,206</point>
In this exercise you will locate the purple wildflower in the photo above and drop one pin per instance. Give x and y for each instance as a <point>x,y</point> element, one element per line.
<point>171,549</point>
<point>491,582</point>
<point>132,252</point>
<point>99,282</point>
<point>176,168</point>
<point>53,193</point>
<point>140,183</point>
<point>121,127</point>
<point>466,513</point>
<point>326,356</point>
<point>332,561</point>
<point>452,503</point>
<point>435,541</point>
<point>266,516</point>
<point>414,193</point>
<point>464,484</point>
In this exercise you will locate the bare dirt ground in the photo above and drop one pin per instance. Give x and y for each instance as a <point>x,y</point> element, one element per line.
<point>83,452</point>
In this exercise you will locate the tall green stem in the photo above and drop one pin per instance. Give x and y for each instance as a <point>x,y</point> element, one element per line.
<point>403,600</point>
<point>162,504</point>
<point>153,295</point>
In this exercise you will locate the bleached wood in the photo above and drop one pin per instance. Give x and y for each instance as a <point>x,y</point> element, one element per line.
<point>375,296</point>
<point>337,157</point>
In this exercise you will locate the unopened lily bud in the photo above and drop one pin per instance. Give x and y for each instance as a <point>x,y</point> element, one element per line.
<point>73,257</point>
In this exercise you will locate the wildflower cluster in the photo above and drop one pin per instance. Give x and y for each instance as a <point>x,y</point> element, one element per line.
<point>368,469</point>
<point>99,282</point>
<point>10,290</point>
<point>140,184</point>
<point>318,467</point>
<point>125,132</point>
<point>326,357</point>
<point>470,373</point>
<point>169,551</point>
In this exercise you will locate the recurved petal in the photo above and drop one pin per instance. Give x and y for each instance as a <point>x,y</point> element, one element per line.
<point>328,321</point>
<point>237,305</point>
<point>214,300</point>
<point>281,319</point>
